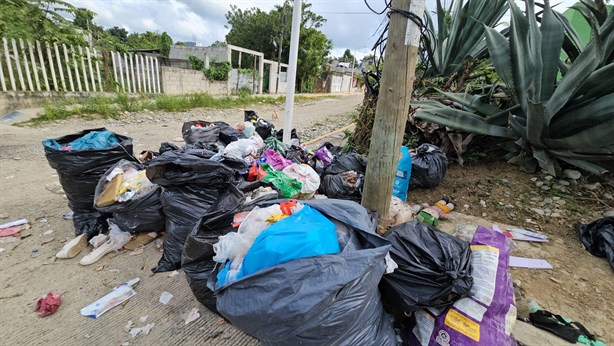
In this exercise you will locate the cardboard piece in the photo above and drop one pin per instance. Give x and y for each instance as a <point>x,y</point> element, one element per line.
<point>140,240</point>
<point>108,196</point>
<point>525,235</point>
<point>531,263</point>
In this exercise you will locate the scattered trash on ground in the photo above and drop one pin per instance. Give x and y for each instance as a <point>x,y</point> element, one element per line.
<point>598,238</point>
<point>48,304</point>
<point>165,298</point>
<point>13,223</point>
<point>128,326</point>
<point>431,215</point>
<point>563,327</point>
<point>68,215</point>
<point>116,240</point>
<point>9,231</point>
<point>137,251</point>
<point>525,235</point>
<point>120,294</point>
<point>192,316</point>
<point>140,240</point>
<point>487,316</point>
<point>142,330</point>
<point>531,263</point>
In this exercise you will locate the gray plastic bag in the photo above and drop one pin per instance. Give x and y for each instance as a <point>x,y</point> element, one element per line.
<point>321,300</point>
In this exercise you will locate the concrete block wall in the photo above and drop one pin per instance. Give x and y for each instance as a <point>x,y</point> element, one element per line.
<point>176,81</point>
<point>283,80</point>
<point>246,80</point>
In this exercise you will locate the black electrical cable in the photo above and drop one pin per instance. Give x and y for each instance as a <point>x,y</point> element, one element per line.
<point>388,3</point>
<point>380,43</point>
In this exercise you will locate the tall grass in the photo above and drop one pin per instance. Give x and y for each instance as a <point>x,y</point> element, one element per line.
<point>114,106</point>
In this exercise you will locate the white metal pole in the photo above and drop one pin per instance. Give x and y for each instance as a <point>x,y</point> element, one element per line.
<point>8,64</point>
<point>25,64</point>
<point>68,72</point>
<point>296,21</point>
<point>34,70</point>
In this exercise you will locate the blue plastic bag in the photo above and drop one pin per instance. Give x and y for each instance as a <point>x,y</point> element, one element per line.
<point>304,234</point>
<point>96,140</point>
<point>401,180</point>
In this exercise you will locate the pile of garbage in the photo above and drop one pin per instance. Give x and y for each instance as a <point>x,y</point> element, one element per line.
<point>271,237</point>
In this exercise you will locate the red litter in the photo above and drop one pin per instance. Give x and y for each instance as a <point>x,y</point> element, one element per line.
<point>48,304</point>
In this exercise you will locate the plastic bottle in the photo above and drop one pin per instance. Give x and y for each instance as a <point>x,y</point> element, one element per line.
<point>401,181</point>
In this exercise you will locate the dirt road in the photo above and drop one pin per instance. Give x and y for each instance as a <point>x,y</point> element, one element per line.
<point>30,190</point>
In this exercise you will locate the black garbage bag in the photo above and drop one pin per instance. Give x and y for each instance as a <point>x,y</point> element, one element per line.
<point>298,155</point>
<point>166,146</point>
<point>344,177</point>
<point>434,268</point>
<point>346,185</point>
<point>210,133</point>
<point>264,128</point>
<point>140,214</point>
<point>251,116</point>
<point>320,300</point>
<point>191,183</point>
<point>293,136</point>
<point>598,238</point>
<point>428,167</point>
<point>79,173</point>
<point>198,252</point>
<point>347,162</point>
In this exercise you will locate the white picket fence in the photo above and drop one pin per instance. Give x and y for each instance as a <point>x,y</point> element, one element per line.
<point>136,73</point>
<point>28,66</point>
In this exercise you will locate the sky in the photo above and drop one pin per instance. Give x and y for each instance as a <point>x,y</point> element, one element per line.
<point>350,24</point>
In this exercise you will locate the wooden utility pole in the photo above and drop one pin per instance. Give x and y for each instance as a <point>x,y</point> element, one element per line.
<point>392,106</point>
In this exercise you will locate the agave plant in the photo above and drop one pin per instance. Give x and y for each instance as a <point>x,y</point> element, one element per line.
<point>459,36</point>
<point>569,118</point>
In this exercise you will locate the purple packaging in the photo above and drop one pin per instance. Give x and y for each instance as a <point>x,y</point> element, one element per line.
<point>324,155</point>
<point>486,317</point>
<point>275,160</point>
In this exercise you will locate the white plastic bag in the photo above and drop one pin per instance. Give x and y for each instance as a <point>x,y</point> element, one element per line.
<point>306,175</point>
<point>236,244</point>
<point>241,148</point>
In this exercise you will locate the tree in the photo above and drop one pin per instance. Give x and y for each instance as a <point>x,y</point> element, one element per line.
<point>120,33</point>
<point>261,31</point>
<point>144,40</point>
<point>313,49</point>
<point>83,18</point>
<point>218,44</point>
<point>165,44</point>
<point>347,56</point>
<point>39,20</point>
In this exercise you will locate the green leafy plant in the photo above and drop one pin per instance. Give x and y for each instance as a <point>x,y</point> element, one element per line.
<point>244,92</point>
<point>196,63</point>
<point>568,119</point>
<point>218,71</point>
